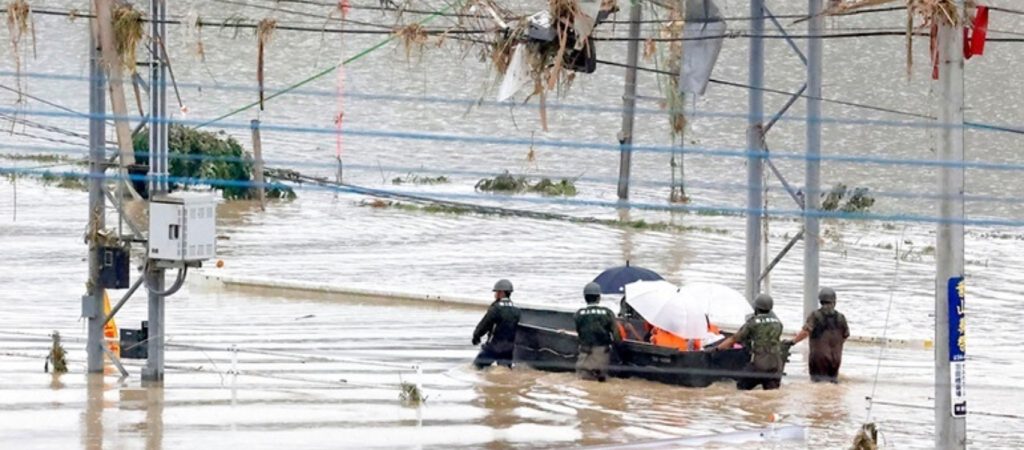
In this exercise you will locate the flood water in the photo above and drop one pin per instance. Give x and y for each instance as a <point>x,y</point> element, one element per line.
<point>322,372</point>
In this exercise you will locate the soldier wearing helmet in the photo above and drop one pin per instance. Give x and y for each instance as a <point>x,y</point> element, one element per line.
<point>499,324</point>
<point>760,336</point>
<point>828,331</point>
<point>595,327</point>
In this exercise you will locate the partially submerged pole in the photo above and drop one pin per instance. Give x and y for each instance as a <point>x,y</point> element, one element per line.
<point>92,302</point>
<point>629,100</point>
<point>950,403</point>
<point>812,176</point>
<point>158,171</point>
<point>257,152</point>
<point>755,149</point>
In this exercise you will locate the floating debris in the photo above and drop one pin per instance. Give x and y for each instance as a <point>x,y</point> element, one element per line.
<point>858,200</point>
<point>867,438</point>
<point>202,157</point>
<point>412,178</point>
<point>411,394</point>
<point>57,356</point>
<point>510,184</point>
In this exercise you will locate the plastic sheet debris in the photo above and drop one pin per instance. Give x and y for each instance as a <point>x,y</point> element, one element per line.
<point>517,75</point>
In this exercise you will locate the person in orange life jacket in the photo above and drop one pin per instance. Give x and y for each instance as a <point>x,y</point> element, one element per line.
<point>664,338</point>
<point>499,324</point>
<point>627,331</point>
<point>828,330</point>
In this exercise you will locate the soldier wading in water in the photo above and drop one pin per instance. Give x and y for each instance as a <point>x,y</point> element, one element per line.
<point>828,331</point>
<point>760,336</point>
<point>499,324</point>
<point>595,326</point>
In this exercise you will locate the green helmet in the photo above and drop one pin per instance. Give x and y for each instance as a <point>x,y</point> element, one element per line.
<point>763,302</point>
<point>503,285</point>
<point>592,288</point>
<point>827,295</point>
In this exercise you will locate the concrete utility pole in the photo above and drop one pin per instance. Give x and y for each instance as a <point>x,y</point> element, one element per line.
<point>812,177</point>
<point>92,302</point>
<point>629,100</point>
<point>158,171</point>
<point>950,403</point>
<point>257,152</point>
<point>755,148</point>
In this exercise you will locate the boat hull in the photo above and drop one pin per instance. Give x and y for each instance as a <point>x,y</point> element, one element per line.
<point>546,340</point>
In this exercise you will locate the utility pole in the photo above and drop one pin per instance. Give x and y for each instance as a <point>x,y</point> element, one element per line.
<point>812,177</point>
<point>950,403</point>
<point>755,149</point>
<point>629,99</point>
<point>257,152</point>
<point>92,302</point>
<point>158,171</point>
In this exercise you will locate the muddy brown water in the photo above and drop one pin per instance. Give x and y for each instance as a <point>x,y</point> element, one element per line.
<point>283,398</point>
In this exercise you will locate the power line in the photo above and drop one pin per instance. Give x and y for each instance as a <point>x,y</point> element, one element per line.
<point>591,146</point>
<point>443,197</point>
<point>591,108</point>
<point>449,171</point>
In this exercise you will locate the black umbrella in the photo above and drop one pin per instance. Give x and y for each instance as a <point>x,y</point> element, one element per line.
<point>614,280</point>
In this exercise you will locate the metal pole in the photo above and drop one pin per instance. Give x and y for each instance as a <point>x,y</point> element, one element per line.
<point>950,428</point>
<point>257,151</point>
<point>154,370</point>
<point>755,146</point>
<point>92,302</point>
<point>812,178</point>
<point>629,99</point>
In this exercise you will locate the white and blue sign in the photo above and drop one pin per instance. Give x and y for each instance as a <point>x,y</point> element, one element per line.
<point>957,346</point>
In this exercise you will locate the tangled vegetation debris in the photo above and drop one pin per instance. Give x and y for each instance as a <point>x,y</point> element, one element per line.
<point>555,45</point>
<point>921,15</point>
<point>858,200</point>
<point>264,31</point>
<point>510,184</point>
<point>57,356</point>
<point>20,23</point>
<point>65,180</point>
<point>867,438</point>
<point>414,38</point>
<point>202,157</point>
<point>411,394</point>
<point>415,179</point>
<point>127,33</point>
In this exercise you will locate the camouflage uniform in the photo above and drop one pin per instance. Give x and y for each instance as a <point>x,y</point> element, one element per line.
<point>595,326</point>
<point>500,324</point>
<point>828,331</point>
<point>760,336</point>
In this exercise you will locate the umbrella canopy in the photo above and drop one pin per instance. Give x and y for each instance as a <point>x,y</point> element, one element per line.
<point>613,280</point>
<point>724,305</point>
<point>661,304</point>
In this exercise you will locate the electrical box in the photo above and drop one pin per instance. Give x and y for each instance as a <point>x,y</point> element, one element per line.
<point>134,342</point>
<point>114,265</point>
<point>183,227</point>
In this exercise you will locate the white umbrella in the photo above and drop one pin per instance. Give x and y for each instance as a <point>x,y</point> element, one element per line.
<point>724,305</point>
<point>660,303</point>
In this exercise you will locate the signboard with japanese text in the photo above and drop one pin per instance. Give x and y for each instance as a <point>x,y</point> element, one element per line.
<point>957,346</point>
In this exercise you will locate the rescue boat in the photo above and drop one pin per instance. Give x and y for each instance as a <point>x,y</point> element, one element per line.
<point>546,340</point>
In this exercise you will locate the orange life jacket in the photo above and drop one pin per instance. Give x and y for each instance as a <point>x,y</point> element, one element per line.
<point>664,338</point>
